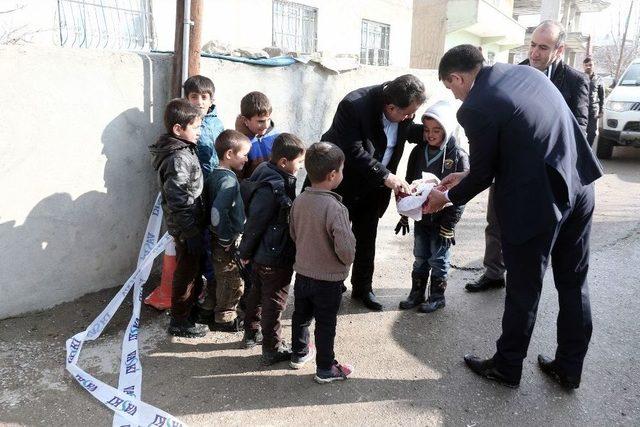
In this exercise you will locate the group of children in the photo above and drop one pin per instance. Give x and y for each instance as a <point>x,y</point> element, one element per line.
<point>229,199</point>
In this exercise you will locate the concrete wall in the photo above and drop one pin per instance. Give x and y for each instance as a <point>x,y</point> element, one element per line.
<point>248,23</point>
<point>75,175</point>
<point>428,33</point>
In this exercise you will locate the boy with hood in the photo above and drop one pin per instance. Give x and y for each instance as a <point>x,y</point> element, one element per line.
<point>440,155</point>
<point>180,180</point>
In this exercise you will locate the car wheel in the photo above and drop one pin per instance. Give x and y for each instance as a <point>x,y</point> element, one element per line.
<point>604,150</point>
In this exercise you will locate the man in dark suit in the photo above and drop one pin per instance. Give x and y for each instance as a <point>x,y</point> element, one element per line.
<point>371,126</point>
<point>522,133</point>
<point>545,54</point>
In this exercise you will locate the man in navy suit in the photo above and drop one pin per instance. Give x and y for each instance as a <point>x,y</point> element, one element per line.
<point>522,133</point>
<point>371,126</point>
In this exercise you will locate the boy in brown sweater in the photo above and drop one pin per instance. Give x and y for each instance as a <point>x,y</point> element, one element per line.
<point>325,249</point>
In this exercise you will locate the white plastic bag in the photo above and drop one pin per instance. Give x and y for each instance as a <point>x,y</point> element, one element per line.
<point>411,205</point>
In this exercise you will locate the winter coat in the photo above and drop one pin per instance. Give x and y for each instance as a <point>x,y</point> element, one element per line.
<point>180,180</point>
<point>224,205</point>
<point>266,238</point>
<point>574,87</point>
<point>596,95</point>
<point>209,130</point>
<point>452,159</point>
<point>261,146</point>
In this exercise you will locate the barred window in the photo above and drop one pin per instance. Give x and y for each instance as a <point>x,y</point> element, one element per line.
<point>374,48</point>
<point>295,27</point>
<point>105,24</point>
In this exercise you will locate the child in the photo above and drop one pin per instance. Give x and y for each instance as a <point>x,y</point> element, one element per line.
<point>440,155</point>
<point>227,220</point>
<point>325,249</point>
<point>180,179</point>
<point>255,122</point>
<point>199,91</point>
<point>267,244</point>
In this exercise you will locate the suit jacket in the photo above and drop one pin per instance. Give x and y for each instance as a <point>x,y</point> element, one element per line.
<point>596,95</point>
<point>357,129</point>
<point>522,133</point>
<point>574,87</point>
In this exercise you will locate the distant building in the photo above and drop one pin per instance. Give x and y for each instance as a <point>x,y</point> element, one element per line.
<point>441,24</point>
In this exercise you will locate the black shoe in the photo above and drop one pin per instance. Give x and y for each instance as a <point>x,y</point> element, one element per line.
<point>484,283</point>
<point>235,325</point>
<point>252,338</point>
<point>187,329</point>
<point>432,305</point>
<point>416,296</point>
<point>282,354</point>
<point>369,300</point>
<point>204,316</point>
<point>487,368</point>
<point>549,367</point>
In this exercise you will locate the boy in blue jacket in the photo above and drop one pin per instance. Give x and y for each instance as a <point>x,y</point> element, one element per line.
<point>224,203</point>
<point>439,154</point>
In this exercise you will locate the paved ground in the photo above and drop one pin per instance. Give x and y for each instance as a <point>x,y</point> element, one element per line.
<point>409,367</point>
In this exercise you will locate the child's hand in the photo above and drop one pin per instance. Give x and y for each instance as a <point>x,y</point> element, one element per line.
<point>245,261</point>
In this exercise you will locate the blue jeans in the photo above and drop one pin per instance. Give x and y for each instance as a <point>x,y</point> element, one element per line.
<point>430,251</point>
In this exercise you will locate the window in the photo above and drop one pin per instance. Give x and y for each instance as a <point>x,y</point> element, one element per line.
<point>295,27</point>
<point>105,24</point>
<point>374,48</point>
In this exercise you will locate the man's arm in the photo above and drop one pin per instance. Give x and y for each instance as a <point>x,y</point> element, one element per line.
<point>600,97</point>
<point>483,135</point>
<point>580,107</point>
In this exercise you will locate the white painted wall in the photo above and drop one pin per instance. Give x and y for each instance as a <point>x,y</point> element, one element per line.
<point>75,174</point>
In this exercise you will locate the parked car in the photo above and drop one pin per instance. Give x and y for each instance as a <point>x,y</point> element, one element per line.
<point>620,125</point>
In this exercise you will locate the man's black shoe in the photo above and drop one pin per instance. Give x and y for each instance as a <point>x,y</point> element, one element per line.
<point>487,368</point>
<point>369,300</point>
<point>484,283</point>
<point>549,367</point>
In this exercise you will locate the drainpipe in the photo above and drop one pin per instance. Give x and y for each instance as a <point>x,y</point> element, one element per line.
<point>186,24</point>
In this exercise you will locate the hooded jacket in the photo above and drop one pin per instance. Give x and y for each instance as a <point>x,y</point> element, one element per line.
<point>209,130</point>
<point>266,238</point>
<point>451,159</point>
<point>180,180</point>
<point>261,146</point>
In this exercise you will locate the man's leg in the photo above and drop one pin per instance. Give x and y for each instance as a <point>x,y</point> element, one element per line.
<point>592,125</point>
<point>526,264</point>
<point>493,276</point>
<point>570,266</point>
<point>364,224</point>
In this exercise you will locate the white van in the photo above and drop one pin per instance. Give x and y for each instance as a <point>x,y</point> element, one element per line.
<point>620,123</point>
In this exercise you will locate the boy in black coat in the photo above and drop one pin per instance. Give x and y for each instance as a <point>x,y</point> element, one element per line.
<point>266,243</point>
<point>440,155</point>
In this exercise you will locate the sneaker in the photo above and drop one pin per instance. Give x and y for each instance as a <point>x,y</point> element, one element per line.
<point>297,362</point>
<point>282,354</point>
<point>252,338</point>
<point>187,329</point>
<point>336,373</point>
<point>234,325</point>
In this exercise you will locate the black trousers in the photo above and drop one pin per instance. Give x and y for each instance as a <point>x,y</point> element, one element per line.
<point>363,215</point>
<point>592,125</point>
<point>320,300</point>
<point>567,245</point>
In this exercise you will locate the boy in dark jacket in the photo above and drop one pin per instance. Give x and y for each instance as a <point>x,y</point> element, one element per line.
<point>180,179</point>
<point>267,244</point>
<point>438,154</point>
<point>224,202</point>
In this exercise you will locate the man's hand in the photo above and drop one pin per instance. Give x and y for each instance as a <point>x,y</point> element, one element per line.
<point>398,185</point>
<point>451,180</point>
<point>435,202</point>
<point>403,225</point>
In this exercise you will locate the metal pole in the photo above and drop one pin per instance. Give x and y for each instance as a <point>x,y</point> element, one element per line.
<point>185,41</point>
<point>624,40</point>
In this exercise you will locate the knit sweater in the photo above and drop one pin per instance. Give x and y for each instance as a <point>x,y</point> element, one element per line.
<point>325,244</point>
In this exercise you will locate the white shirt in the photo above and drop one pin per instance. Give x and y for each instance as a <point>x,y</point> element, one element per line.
<point>391,131</point>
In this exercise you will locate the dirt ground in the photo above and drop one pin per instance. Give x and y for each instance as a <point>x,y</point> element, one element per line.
<point>409,367</point>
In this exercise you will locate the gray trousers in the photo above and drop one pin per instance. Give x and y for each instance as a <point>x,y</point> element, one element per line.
<point>493,262</point>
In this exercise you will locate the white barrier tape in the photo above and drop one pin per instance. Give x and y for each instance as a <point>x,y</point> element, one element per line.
<point>125,403</point>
